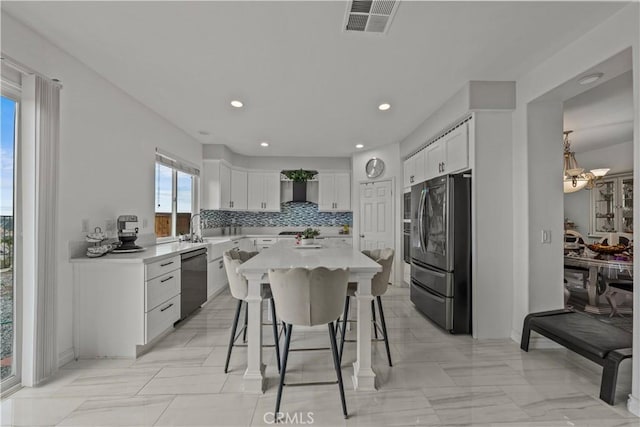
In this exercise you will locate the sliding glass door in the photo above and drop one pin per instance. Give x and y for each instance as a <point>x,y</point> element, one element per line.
<point>9,336</point>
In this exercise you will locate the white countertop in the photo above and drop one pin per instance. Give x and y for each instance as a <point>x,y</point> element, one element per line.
<point>150,254</point>
<point>285,254</point>
<point>166,250</point>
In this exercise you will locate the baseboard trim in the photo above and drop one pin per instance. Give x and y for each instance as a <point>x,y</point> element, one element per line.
<point>66,356</point>
<point>633,405</point>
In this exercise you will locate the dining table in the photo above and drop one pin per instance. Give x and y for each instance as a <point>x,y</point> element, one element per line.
<point>287,254</point>
<point>607,266</point>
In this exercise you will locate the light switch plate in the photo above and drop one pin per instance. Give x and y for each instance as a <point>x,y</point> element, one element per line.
<point>546,236</point>
<point>85,225</point>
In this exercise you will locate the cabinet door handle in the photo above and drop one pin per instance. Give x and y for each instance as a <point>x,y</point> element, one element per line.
<point>167,307</point>
<point>167,279</point>
<point>166,263</point>
<point>443,167</point>
<point>221,265</point>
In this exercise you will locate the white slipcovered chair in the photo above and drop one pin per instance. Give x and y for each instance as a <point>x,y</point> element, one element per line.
<point>239,288</point>
<point>306,297</point>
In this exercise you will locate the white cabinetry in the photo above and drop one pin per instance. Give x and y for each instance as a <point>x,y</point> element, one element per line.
<point>334,193</point>
<point>122,306</point>
<point>449,154</point>
<point>263,243</point>
<point>223,188</point>
<point>409,172</point>
<point>263,191</point>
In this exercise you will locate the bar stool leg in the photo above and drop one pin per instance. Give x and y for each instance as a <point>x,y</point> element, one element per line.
<point>373,318</point>
<point>283,370</point>
<point>336,362</point>
<point>384,329</point>
<point>234,328</point>
<point>276,341</point>
<point>344,328</point>
<point>246,321</point>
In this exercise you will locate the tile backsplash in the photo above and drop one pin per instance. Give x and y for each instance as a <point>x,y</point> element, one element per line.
<point>292,214</point>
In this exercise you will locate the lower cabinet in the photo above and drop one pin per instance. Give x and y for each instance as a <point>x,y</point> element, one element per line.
<point>216,276</point>
<point>121,307</point>
<point>161,318</point>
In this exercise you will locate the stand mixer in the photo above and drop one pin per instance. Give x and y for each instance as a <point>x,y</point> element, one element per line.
<point>127,234</point>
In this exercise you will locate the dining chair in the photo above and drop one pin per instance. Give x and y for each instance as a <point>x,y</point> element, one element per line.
<point>309,297</point>
<point>379,284</point>
<point>239,288</point>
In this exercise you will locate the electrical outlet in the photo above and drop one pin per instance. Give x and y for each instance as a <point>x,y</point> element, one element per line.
<point>109,225</point>
<point>546,236</point>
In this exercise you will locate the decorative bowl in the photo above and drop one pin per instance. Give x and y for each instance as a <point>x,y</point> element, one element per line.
<point>606,249</point>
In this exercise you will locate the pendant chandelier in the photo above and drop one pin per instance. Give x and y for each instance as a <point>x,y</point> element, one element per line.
<point>575,178</point>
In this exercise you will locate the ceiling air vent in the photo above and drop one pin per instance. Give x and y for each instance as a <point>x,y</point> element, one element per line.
<point>370,16</point>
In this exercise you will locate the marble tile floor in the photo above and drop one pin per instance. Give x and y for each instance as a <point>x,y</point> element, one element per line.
<point>437,380</point>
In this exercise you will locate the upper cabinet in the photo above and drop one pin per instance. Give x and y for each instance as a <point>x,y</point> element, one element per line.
<point>612,206</point>
<point>447,155</point>
<point>263,191</point>
<point>223,188</point>
<point>409,171</point>
<point>334,192</point>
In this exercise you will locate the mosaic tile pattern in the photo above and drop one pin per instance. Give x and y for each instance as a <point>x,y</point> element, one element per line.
<point>292,214</point>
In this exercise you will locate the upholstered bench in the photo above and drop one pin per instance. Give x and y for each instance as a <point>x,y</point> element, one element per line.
<point>599,342</point>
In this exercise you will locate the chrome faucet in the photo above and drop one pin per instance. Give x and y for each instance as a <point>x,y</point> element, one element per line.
<point>194,237</point>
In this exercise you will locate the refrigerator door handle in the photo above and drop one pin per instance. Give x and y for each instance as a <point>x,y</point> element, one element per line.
<point>423,199</point>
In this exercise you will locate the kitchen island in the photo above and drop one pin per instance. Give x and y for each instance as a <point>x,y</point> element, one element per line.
<point>285,254</point>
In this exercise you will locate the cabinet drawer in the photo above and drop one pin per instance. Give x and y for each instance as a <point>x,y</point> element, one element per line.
<point>161,289</point>
<point>161,318</point>
<point>266,240</point>
<point>161,267</point>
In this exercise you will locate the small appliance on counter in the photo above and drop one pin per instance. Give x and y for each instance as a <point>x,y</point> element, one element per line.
<point>127,234</point>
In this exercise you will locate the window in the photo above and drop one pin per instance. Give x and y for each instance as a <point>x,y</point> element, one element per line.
<point>175,196</point>
<point>9,338</point>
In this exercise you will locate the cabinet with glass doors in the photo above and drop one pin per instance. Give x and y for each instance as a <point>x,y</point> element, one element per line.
<point>612,206</point>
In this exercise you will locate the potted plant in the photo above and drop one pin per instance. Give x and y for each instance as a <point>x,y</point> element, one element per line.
<point>308,235</point>
<point>299,178</point>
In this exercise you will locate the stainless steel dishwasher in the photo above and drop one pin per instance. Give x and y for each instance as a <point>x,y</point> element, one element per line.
<point>193,287</point>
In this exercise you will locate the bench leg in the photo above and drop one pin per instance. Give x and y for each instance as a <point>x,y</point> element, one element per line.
<point>609,380</point>
<point>526,335</point>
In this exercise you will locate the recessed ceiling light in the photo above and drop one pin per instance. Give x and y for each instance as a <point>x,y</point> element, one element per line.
<point>359,146</point>
<point>590,78</point>
<point>203,132</point>
<point>236,104</point>
<point>384,107</point>
<point>264,144</point>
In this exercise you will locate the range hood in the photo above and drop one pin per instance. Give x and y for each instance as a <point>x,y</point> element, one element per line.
<point>299,179</point>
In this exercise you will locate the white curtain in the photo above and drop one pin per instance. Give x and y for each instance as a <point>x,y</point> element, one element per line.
<point>40,153</point>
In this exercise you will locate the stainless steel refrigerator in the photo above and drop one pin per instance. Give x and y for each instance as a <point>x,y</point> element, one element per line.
<point>441,251</point>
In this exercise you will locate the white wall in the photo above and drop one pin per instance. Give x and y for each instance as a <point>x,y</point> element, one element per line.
<point>390,154</point>
<point>618,157</point>
<point>609,38</point>
<point>107,152</point>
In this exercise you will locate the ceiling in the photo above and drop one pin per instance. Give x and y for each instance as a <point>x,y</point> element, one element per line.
<point>601,116</point>
<point>309,88</point>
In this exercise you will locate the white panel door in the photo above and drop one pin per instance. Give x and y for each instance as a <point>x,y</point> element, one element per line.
<point>225,186</point>
<point>457,158</point>
<point>376,215</point>
<point>326,191</point>
<point>238,190</point>
<point>255,191</point>
<point>342,184</point>
<point>272,191</point>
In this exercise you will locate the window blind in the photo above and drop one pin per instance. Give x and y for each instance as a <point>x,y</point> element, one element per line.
<point>176,163</point>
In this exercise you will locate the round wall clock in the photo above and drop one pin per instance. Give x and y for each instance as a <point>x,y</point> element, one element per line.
<point>374,167</point>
